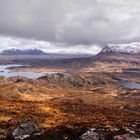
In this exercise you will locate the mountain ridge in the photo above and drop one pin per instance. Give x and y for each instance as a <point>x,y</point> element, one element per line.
<point>120,49</point>
<point>14,51</point>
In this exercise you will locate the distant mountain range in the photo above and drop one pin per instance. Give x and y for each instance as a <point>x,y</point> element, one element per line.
<point>22,52</point>
<point>133,48</point>
<point>35,53</point>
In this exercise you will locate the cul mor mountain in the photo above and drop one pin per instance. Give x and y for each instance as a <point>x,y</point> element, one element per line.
<point>133,48</point>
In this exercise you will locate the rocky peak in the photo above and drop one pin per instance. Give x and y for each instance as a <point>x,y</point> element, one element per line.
<point>133,48</point>
<point>108,50</point>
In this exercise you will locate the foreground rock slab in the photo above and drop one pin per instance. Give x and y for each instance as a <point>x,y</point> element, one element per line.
<point>26,129</point>
<point>89,135</point>
<point>107,134</point>
<point>126,137</point>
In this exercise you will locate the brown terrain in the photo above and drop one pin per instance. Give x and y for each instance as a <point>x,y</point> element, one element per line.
<point>84,94</point>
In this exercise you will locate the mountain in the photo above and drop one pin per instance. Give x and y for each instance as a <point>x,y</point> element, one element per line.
<point>37,54</point>
<point>133,48</point>
<point>107,50</point>
<point>22,52</point>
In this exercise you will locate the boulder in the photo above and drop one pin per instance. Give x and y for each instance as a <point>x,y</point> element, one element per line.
<point>126,137</point>
<point>109,134</point>
<point>26,129</point>
<point>3,133</point>
<point>89,135</point>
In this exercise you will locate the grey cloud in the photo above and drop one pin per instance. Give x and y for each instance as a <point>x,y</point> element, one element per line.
<point>72,22</point>
<point>10,42</point>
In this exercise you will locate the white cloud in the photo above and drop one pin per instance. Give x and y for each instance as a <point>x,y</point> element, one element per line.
<point>21,43</point>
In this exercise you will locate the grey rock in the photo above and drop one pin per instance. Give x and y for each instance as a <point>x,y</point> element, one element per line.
<point>3,133</point>
<point>89,135</point>
<point>126,137</point>
<point>26,129</point>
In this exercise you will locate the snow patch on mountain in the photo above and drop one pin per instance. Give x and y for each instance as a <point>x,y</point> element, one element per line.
<point>133,48</point>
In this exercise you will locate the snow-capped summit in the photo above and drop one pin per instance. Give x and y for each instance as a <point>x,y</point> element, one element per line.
<point>133,48</point>
<point>108,50</point>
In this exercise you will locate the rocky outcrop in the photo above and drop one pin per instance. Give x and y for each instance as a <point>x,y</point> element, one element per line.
<point>26,129</point>
<point>3,133</point>
<point>108,134</point>
<point>126,137</point>
<point>76,80</point>
<point>89,135</point>
<point>66,79</point>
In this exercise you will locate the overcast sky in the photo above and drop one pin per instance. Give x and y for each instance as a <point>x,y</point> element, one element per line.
<point>68,25</point>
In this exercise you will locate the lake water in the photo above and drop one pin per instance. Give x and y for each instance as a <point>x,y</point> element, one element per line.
<point>5,71</point>
<point>132,73</point>
<point>129,85</point>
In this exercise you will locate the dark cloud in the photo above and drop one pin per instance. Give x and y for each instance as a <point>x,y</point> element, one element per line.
<point>72,22</point>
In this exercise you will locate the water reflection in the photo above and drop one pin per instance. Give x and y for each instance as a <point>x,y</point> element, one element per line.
<point>130,85</point>
<point>4,71</point>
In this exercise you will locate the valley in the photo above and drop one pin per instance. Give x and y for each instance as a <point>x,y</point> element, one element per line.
<point>78,94</point>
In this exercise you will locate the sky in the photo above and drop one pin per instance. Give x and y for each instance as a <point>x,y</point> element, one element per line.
<point>71,26</point>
